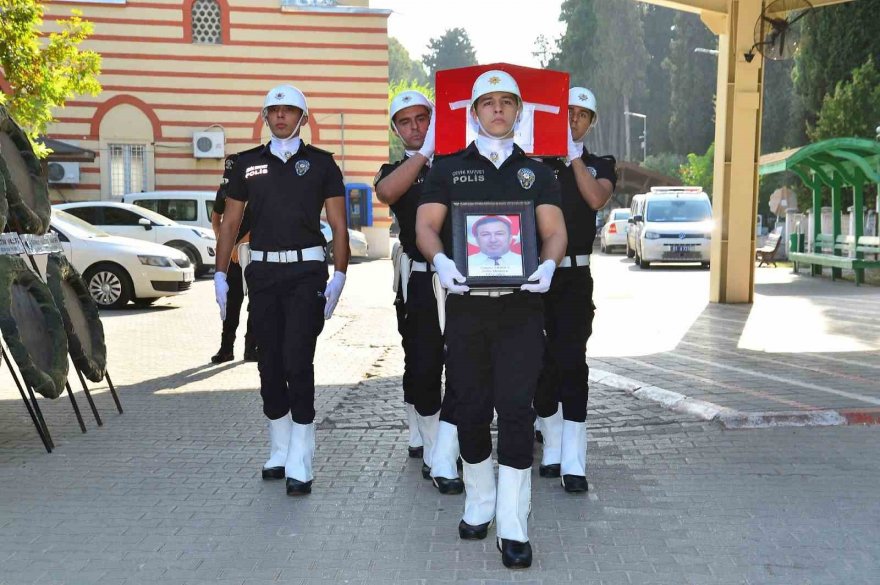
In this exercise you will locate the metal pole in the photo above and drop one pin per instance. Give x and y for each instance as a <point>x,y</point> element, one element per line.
<point>644,138</point>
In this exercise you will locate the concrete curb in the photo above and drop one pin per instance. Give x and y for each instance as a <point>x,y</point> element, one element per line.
<point>728,418</point>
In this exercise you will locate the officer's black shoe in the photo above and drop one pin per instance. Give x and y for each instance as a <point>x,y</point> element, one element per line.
<point>273,472</point>
<point>298,488</point>
<point>575,484</point>
<point>539,437</point>
<point>514,554</point>
<point>416,452</point>
<point>251,354</point>
<point>426,471</point>
<point>223,355</point>
<point>450,487</point>
<point>471,532</point>
<point>551,470</point>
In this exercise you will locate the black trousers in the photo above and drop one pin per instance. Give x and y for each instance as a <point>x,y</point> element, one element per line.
<point>568,321</point>
<point>419,327</point>
<point>287,309</point>
<point>495,348</point>
<point>234,300</point>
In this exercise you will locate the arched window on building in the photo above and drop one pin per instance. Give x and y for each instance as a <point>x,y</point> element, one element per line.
<point>207,22</point>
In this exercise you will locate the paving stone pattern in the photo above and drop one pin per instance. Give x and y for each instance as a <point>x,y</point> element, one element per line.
<point>170,491</point>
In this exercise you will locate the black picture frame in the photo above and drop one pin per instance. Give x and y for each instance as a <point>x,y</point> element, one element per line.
<point>468,217</point>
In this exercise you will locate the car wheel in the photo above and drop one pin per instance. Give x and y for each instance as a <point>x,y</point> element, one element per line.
<point>109,286</point>
<point>629,251</point>
<point>644,264</point>
<point>603,248</point>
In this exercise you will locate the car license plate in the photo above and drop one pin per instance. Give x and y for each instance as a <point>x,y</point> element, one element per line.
<point>679,248</point>
<point>188,277</point>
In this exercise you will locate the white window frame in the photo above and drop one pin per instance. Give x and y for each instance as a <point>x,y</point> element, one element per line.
<point>127,149</point>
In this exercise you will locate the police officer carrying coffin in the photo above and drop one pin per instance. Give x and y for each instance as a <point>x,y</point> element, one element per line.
<point>494,339</point>
<point>587,183</point>
<point>234,277</point>
<point>285,183</point>
<point>399,185</point>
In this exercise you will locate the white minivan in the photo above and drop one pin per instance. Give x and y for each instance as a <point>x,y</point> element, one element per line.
<point>186,207</point>
<point>674,224</point>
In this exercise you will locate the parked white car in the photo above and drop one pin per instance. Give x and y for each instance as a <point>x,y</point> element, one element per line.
<point>357,242</point>
<point>131,221</point>
<point>613,233</point>
<point>191,208</point>
<point>117,270</point>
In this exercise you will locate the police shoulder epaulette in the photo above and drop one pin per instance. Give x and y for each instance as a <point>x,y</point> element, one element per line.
<point>318,150</point>
<point>610,158</point>
<point>246,151</point>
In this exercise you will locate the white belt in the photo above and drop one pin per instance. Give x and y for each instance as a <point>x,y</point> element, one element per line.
<point>580,260</point>
<point>421,267</point>
<point>490,293</point>
<point>315,253</point>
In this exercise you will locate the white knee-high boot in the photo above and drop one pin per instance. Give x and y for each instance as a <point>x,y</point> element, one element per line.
<point>479,487</point>
<point>301,452</point>
<point>445,453</point>
<point>412,418</point>
<point>279,441</point>
<point>514,502</point>
<point>552,431</point>
<point>574,448</point>
<point>428,431</point>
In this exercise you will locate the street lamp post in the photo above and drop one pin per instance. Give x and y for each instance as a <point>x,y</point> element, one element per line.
<point>644,135</point>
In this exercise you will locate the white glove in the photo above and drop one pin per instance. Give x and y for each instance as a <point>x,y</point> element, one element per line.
<point>575,149</point>
<point>333,292</point>
<point>221,290</point>
<point>542,278</point>
<point>449,274</point>
<point>427,149</point>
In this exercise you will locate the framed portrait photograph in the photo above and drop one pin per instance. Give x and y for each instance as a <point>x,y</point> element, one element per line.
<point>495,244</point>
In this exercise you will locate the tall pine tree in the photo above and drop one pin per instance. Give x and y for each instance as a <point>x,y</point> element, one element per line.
<point>657,23</point>
<point>692,80</point>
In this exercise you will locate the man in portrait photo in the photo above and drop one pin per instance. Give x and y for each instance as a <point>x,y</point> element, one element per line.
<point>494,236</point>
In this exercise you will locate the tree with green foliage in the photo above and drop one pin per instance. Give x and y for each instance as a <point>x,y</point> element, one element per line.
<point>699,170</point>
<point>43,74</point>
<point>401,67</point>
<point>395,146</point>
<point>592,52</point>
<point>657,22</point>
<point>452,49</point>
<point>835,40</point>
<point>692,84</point>
<point>854,107</point>
<point>666,163</point>
<point>779,105</point>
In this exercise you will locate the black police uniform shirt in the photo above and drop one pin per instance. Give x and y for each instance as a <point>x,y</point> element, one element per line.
<point>469,176</point>
<point>220,199</point>
<point>405,209</point>
<point>285,198</point>
<point>580,218</point>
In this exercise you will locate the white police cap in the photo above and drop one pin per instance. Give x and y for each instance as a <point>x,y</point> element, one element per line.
<point>494,80</point>
<point>584,98</point>
<point>285,95</point>
<point>407,99</point>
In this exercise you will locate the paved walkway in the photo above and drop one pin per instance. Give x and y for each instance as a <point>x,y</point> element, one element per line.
<point>169,493</point>
<point>806,352</point>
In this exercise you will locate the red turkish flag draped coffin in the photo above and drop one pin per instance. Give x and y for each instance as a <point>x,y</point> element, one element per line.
<point>543,127</point>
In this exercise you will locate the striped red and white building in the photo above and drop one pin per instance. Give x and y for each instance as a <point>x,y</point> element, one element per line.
<point>174,68</point>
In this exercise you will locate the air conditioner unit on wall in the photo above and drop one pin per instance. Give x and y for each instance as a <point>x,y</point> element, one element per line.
<point>209,144</point>
<point>64,173</point>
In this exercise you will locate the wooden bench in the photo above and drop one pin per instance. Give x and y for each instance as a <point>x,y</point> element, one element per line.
<point>766,254</point>
<point>839,253</point>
